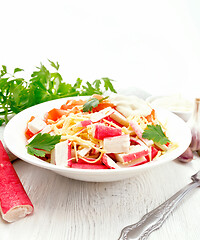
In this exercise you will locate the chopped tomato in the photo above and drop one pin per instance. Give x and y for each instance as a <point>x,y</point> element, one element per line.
<point>72,103</point>
<point>31,119</point>
<point>151,117</point>
<point>102,105</point>
<point>55,114</point>
<point>167,144</point>
<point>74,110</point>
<point>99,97</point>
<point>28,133</point>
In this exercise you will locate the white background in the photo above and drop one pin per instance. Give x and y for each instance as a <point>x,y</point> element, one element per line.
<point>153,45</point>
<point>150,44</point>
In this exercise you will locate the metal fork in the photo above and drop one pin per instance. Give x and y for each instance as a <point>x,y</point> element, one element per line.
<point>154,219</point>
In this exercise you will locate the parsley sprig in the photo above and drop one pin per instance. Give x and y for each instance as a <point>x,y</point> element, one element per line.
<point>42,143</point>
<point>92,103</point>
<point>17,94</point>
<point>155,133</point>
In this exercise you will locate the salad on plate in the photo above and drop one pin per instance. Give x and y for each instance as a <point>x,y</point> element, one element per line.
<point>98,133</point>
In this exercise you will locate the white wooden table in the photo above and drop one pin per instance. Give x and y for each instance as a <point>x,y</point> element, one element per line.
<point>132,42</point>
<point>67,209</point>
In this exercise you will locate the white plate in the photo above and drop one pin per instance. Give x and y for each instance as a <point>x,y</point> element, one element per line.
<point>15,140</point>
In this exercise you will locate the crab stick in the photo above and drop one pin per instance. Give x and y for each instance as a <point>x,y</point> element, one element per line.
<point>84,151</point>
<point>14,202</point>
<point>117,144</point>
<point>83,123</point>
<point>101,131</point>
<point>118,117</point>
<point>152,154</point>
<point>97,116</point>
<point>139,131</point>
<point>36,125</point>
<point>132,163</point>
<point>109,162</point>
<point>61,154</point>
<point>88,166</point>
<point>136,151</point>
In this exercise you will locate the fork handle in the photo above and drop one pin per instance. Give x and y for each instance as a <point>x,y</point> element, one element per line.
<point>154,219</point>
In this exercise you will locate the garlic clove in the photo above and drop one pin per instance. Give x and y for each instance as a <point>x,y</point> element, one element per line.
<point>195,143</point>
<point>187,156</point>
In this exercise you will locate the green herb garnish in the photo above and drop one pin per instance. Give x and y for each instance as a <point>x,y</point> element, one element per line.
<point>155,133</point>
<point>42,143</point>
<point>17,94</point>
<point>92,103</point>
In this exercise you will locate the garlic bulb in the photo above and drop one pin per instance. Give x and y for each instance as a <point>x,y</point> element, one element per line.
<point>194,124</point>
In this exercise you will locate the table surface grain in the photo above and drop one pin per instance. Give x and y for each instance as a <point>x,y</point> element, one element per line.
<point>67,209</point>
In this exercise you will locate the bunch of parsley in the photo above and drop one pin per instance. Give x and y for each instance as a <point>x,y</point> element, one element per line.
<point>17,94</point>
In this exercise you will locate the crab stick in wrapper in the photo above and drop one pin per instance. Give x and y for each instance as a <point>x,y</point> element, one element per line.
<point>14,202</point>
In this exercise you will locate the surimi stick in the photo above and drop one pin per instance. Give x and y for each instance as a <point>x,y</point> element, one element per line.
<point>14,202</point>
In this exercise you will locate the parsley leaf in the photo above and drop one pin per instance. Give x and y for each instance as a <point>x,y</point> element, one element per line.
<point>55,65</point>
<point>18,70</point>
<point>3,71</point>
<point>92,103</point>
<point>108,84</point>
<point>42,143</point>
<point>155,133</point>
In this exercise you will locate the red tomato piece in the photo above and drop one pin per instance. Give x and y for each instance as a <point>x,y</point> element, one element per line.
<point>55,114</point>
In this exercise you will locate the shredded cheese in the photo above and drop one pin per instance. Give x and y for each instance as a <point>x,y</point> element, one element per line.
<point>81,142</point>
<point>111,123</point>
<point>92,161</point>
<point>75,151</point>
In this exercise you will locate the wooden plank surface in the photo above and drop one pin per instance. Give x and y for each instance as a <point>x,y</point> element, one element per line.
<point>70,209</point>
